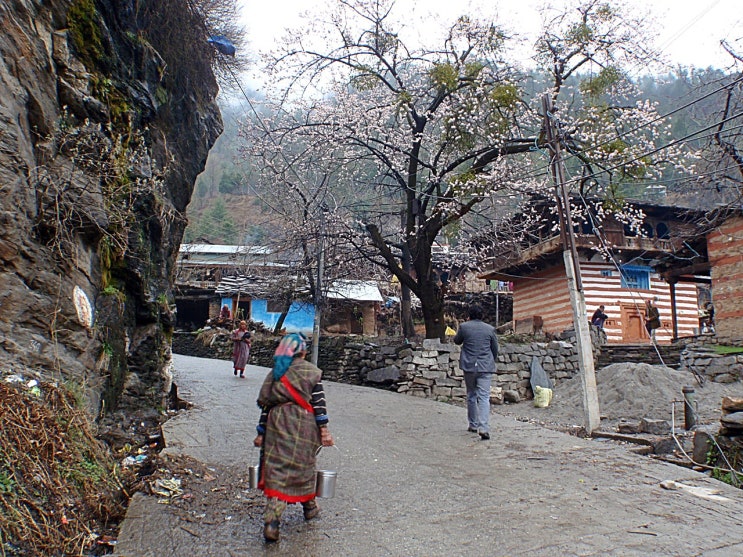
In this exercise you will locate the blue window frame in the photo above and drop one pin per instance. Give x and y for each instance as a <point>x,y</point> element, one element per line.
<point>636,277</point>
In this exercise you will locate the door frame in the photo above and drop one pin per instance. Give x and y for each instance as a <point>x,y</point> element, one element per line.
<point>629,311</point>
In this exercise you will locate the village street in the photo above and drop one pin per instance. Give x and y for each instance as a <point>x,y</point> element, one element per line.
<point>413,482</point>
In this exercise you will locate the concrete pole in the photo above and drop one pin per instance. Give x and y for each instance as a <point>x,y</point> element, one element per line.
<point>592,416</point>
<point>591,413</point>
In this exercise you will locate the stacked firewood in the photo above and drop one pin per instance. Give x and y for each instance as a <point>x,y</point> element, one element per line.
<point>732,416</point>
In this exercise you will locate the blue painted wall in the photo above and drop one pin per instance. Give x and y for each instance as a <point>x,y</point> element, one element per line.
<point>300,319</point>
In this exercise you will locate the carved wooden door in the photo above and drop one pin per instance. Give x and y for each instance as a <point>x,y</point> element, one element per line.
<point>633,324</point>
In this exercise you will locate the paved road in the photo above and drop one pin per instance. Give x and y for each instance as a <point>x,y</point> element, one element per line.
<point>413,482</point>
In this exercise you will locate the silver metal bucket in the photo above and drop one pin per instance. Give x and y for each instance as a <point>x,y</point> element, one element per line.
<point>326,477</point>
<point>254,474</point>
<point>325,483</point>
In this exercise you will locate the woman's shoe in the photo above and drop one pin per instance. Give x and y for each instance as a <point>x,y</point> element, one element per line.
<point>235,372</point>
<point>311,511</point>
<point>241,375</point>
<point>271,531</point>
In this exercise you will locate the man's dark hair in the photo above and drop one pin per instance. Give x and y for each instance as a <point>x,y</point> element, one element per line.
<point>475,312</point>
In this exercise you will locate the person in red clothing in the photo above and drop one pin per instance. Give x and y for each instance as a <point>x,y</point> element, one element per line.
<point>241,348</point>
<point>292,426</point>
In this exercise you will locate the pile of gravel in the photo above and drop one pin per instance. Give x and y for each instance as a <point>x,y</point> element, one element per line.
<point>629,391</point>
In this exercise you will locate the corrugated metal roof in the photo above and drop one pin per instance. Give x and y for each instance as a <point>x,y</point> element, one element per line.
<point>357,290</point>
<point>223,249</point>
<point>354,290</point>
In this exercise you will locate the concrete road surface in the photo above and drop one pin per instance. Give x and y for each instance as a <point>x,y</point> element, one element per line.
<point>414,482</point>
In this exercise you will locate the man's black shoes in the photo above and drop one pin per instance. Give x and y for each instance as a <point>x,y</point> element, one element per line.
<point>484,435</point>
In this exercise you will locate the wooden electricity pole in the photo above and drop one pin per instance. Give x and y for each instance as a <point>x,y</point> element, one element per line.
<point>572,269</point>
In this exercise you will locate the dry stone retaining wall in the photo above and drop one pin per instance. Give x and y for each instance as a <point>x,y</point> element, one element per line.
<point>700,357</point>
<point>430,370</point>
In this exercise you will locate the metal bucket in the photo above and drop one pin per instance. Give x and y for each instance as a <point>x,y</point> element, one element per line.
<point>325,483</point>
<point>254,474</point>
<point>325,477</point>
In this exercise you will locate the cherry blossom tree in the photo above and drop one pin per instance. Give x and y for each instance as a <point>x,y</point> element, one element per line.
<point>424,141</point>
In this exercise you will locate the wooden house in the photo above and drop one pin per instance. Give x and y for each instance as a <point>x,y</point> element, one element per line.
<point>620,268</point>
<point>247,279</point>
<point>202,268</point>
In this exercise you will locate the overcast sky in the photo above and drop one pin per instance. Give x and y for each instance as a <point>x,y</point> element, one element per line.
<point>689,30</point>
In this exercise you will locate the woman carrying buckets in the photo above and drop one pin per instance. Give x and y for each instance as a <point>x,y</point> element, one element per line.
<point>292,426</point>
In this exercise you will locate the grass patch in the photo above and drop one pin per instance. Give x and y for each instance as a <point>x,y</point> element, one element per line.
<point>725,350</point>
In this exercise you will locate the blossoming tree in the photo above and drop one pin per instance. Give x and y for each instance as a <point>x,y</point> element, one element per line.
<point>419,141</point>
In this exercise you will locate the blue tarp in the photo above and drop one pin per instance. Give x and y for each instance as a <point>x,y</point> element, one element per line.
<point>222,44</point>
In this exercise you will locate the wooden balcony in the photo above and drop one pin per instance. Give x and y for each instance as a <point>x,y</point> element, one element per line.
<point>530,257</point>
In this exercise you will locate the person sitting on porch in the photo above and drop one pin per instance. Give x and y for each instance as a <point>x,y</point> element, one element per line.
<point>599,317</point>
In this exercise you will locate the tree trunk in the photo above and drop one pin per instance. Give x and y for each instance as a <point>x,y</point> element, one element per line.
<point>284,313</point>
<point>432,302</point>
<point>406,310</point>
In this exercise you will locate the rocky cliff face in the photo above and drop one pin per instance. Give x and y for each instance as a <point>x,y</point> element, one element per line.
<point>107,114</point>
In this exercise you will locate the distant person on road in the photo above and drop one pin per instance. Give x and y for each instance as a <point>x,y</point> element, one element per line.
<point>477,361</point>
<point>292,426</point>
<point>241,348</point>
<point>599,317</point>
<point>652,319</point>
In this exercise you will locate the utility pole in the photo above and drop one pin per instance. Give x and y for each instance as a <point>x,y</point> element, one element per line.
<point>318,288</point>
<point>572,269</point>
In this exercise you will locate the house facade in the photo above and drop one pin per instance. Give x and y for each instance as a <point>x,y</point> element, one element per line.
<point>541,301</point>
<point>620,268</point>
<point>253,282</point>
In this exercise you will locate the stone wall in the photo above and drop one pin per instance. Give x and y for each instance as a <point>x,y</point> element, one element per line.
<point>431,369</point>
<point>700,357</point>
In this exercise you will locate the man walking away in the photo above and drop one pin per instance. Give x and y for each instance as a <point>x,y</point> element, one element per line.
<point>477,361</point>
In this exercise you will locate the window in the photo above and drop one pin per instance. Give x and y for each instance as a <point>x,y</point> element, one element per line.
<point>636,277</point>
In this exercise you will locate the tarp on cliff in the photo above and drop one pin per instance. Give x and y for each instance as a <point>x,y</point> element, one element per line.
<point>222,44</point>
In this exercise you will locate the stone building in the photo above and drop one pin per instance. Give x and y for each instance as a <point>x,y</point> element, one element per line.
<point>725,248</point>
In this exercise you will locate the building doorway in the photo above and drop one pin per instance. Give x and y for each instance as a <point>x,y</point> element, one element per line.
<point>633,323</point>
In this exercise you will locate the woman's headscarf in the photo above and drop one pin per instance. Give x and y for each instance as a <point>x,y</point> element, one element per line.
<point>289,346</point>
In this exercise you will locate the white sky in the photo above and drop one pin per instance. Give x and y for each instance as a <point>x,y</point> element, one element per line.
<point>689,31</point>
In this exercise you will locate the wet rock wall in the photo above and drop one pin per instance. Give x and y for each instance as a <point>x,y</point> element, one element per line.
<point>104,126</point>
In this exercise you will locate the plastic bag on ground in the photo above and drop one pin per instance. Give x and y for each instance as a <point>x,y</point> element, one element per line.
<point>542,397</point>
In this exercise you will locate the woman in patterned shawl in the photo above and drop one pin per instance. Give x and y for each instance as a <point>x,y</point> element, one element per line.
<point>292,426</point>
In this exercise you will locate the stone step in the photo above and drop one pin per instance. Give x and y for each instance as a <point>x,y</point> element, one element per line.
<point>670,355</point>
